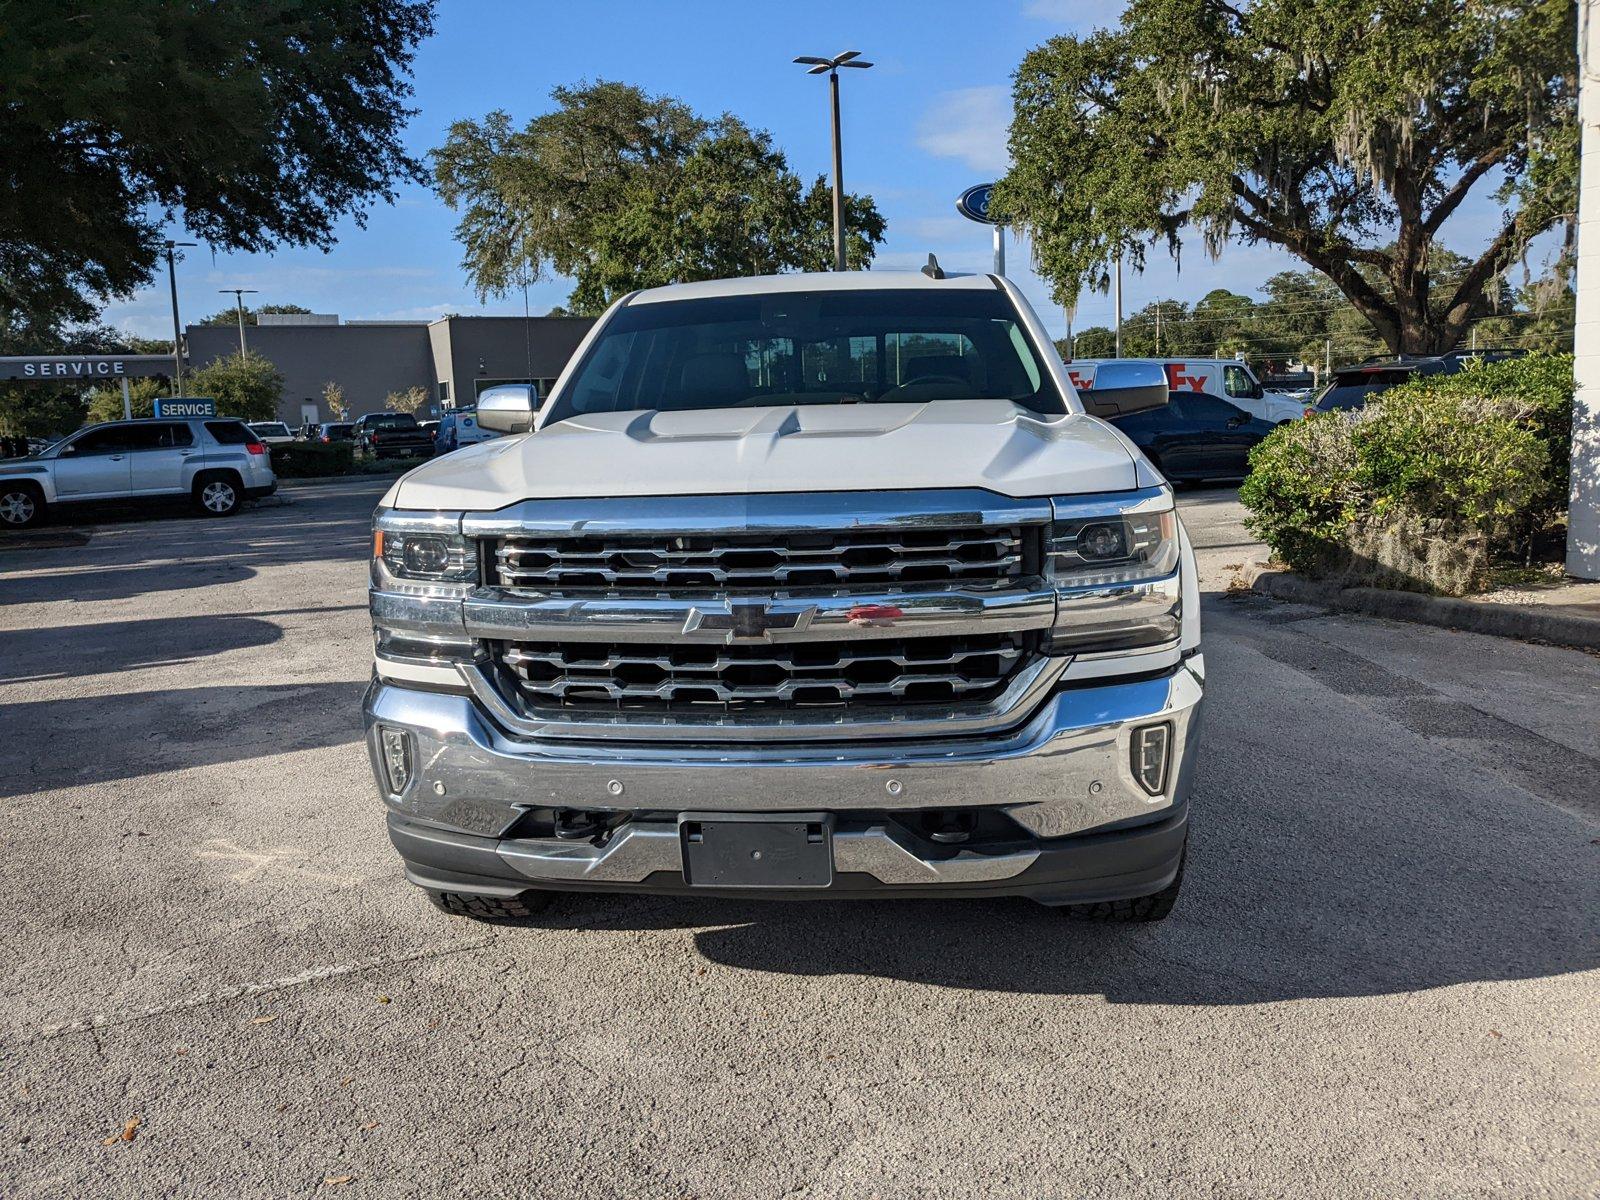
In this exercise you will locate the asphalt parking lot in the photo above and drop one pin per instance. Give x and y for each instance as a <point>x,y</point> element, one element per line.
<point>1383,977</point>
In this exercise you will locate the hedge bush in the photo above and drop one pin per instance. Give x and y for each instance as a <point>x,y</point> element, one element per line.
<point>1428,485</point>
<point>305,460</point>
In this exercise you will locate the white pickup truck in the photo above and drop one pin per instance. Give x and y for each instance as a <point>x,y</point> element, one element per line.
<point>810,585</point>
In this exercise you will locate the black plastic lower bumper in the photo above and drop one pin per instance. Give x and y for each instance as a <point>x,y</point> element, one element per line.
<point>1089,868</point>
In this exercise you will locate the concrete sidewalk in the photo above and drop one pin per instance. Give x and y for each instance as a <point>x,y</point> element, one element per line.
<point>1561,616</point>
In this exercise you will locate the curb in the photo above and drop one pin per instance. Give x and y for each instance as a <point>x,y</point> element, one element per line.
<point>1496,620</point>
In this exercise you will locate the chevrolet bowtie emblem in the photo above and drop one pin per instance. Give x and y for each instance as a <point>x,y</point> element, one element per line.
<point>748,620</point>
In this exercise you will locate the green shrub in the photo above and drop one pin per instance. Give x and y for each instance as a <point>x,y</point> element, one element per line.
<point>1428,485</point>
<point>306,460</point>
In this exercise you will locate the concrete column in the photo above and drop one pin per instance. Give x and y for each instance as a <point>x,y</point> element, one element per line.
<point>1583,526</point>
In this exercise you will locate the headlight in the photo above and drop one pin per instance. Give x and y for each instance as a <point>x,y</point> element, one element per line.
<point>1120,548</point>
<point>1113,562</point>
<point>428,549</point>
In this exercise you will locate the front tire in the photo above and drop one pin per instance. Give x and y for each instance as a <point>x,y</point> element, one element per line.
<point>492,909</point>
<point>1139,910</point>
<point>218,494</point>
<point>21,506</point>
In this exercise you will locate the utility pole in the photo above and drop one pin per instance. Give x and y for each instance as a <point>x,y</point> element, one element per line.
<point>177,331</point>
<point>1158,329</point>
<point>1072,315</point>
<point>1327,357</point>
<point>238,295</point>
<point>830,67</point>
<point>1117,292</point>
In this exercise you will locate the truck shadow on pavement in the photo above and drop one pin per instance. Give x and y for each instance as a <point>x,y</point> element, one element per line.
<point>144,733</point>
<point>1298,887</point>
<point>1363,919</point>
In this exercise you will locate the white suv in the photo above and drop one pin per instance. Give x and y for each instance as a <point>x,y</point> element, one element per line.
<point>218,461</point>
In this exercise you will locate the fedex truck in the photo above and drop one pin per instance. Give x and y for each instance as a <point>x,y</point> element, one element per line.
<point>1225,378</point>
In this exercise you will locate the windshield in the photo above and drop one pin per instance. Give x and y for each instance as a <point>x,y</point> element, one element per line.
<point>823,347</point>
<point>403,421</point>
<point>271,428</point>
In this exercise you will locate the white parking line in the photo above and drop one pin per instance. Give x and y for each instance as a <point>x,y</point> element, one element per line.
<point>240,991</point>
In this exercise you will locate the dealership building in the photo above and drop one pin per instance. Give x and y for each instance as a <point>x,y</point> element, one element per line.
<point>453,358</point>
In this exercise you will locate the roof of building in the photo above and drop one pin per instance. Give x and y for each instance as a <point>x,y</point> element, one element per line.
<point>808,281</point>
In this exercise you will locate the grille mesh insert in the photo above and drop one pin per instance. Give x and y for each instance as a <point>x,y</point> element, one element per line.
<point>692,677</point>
<point>857,558</point>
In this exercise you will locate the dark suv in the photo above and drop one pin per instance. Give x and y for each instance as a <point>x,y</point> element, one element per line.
<point>1351,386</point>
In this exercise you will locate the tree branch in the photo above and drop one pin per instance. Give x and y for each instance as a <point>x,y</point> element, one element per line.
<point>1452,199</point>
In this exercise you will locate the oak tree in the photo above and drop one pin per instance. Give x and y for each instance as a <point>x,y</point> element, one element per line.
<point>1346,132</point>
<point>253,123</point>
<point>617,189</point>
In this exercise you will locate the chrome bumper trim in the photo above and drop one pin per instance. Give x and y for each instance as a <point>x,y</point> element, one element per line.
<point>1022,694</point>
<point>1066,770</point>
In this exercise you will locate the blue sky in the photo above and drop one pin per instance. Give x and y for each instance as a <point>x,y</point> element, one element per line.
<point>927,121</point>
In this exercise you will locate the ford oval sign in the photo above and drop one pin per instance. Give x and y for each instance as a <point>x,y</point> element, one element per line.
<point>974,203</point>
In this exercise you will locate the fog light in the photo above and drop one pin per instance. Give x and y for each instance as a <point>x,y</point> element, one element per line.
<point>1150,746</point>
<point>397,758</point>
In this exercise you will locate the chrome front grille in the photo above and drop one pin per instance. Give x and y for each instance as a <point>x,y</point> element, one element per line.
<point>761,561</point>
<point>686,677</point>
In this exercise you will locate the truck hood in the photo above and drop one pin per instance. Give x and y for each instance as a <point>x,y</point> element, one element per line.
<point>991,444</point>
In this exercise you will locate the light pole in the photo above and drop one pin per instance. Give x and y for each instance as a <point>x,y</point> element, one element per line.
<point>238,295</point>
<point>177,333</point>
<point>830,67</point>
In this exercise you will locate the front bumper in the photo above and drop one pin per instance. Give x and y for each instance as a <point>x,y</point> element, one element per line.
<point>1087,831</point>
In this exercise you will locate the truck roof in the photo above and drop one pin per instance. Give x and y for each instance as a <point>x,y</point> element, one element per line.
<point>810,281</point>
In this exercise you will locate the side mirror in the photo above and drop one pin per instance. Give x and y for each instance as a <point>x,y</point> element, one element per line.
<point>508,408</point>
<point>1121,388</point>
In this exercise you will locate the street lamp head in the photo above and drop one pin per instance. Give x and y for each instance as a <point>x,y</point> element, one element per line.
<point>822,66</point>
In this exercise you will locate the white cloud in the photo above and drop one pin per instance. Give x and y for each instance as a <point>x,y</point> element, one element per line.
<point>969,124</point>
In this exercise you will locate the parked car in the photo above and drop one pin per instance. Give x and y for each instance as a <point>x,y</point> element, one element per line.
<point>273,433</point>
<point>459,427</point>
<point>431,428</point>
<point>390,435</point>
<point>335,431</point>
<point>1224,378</point>
<point>1196,436</point>
<point>1351,387</point>
<point>217,461</point>
<point>729,623</point>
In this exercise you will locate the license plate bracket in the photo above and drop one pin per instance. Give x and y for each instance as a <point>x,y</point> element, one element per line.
<point>757,850</point>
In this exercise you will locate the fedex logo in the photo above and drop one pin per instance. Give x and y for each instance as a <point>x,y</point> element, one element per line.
<point>1179,379</point>
<point>1081,382</point>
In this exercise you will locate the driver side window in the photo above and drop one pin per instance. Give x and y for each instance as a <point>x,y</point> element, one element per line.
<point>1236,381</point>
<point>98,441</point>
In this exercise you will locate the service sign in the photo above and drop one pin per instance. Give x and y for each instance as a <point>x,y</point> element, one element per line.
<point>185,406</point>
<point>84,368</point>
<point>973,204</point>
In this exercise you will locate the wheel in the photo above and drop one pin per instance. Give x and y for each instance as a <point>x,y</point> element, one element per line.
<point>218,495</point>
<point>1140,909</point>
<point>21,505</point>
<point>490,908</point>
